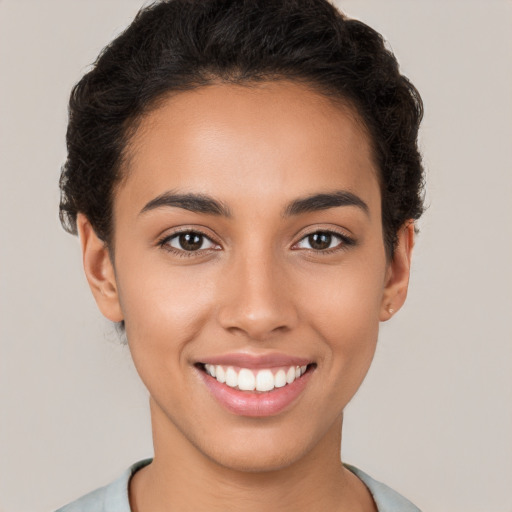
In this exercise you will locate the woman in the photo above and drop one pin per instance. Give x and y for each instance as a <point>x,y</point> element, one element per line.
<point>244,178</point>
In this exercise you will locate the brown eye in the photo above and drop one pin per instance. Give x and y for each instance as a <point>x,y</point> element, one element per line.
<point>324,240</point>
<point>320,241</point>
<point>190,241</point>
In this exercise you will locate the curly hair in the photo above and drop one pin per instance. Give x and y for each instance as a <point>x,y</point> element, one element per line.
<point>178,45</point>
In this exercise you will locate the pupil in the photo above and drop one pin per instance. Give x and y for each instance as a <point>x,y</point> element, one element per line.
<point>320,241</point>
<point>191,241</point>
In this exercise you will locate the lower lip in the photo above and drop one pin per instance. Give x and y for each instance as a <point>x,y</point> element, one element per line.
<point>247,403</point>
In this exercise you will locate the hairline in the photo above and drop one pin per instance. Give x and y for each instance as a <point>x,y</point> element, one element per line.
<point>132,126</point>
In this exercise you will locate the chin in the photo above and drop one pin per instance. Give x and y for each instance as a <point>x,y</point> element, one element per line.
<point>256,461</point>
<point>263,450</point>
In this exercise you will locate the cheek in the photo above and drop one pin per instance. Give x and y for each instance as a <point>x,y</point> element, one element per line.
<point>164,309</point>
<point>345,312</point>
<point>345,301</point>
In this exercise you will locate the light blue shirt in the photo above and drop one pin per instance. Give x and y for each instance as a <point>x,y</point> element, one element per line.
<point>114,497</point>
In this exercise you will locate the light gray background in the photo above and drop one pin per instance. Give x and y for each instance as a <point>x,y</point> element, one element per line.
<point>434,417</point>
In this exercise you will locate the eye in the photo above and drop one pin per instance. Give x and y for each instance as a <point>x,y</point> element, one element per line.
<point>323,241</point>
<point>187,241</point>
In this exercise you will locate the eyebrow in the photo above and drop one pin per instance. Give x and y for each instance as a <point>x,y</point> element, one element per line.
<point>201,203</point>
<point>317,202</point>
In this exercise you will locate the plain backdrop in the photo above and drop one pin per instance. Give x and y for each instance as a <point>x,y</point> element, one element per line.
<point>434,417</point>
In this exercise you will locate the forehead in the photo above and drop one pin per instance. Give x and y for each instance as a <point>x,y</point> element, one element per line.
<point>276,139</point>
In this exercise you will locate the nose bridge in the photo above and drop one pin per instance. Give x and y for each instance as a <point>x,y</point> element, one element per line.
<point>257,301</point>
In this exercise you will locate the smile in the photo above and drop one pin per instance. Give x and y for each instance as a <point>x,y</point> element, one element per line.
<point>262,380</point>
<point>256,387</point>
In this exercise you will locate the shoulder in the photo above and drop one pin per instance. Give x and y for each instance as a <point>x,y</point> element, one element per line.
<point>386,499</point>
<point>110,498</point>
<point>114,497</point>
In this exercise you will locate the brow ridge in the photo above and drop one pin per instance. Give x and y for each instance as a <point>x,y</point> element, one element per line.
<point>199,203</point>
<point>202,203</point>
<point>324,201</point>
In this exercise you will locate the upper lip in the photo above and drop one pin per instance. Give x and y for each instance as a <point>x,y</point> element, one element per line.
<point>246,360</point>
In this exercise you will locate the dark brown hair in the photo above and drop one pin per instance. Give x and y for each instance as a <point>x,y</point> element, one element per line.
<point>178,45</point>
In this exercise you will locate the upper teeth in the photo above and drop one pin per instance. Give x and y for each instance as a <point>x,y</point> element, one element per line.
<point>259,380</point>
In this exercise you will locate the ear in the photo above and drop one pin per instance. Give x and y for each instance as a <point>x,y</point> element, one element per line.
<point>99,270</point>
<point>397,274</point>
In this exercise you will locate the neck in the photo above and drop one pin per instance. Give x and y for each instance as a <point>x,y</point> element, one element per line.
<point>182,478</point>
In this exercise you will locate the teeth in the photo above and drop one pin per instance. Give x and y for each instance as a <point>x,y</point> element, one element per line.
<point>250,380</point>
<point>231,377</point>
<point>290,375</point>
<point>246,380</point>
<point>264,380</point>
<point>280,379</point>
<point>220,374</point>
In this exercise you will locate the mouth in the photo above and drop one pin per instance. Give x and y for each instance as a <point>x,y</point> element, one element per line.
<point>261,380</point>
<point>256,389</point>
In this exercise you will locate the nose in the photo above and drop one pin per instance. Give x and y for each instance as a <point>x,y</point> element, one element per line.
<point>258,298</point>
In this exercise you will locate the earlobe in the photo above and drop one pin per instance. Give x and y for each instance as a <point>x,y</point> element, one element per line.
<point>99,270</point>
<point>398,272</point>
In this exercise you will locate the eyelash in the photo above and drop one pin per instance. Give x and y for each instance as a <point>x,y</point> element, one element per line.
<point>343,245</point>
<point>182,253</point>
<point>345,242</point>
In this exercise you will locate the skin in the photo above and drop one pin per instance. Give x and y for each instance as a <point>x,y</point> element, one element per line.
<point>258,287</point>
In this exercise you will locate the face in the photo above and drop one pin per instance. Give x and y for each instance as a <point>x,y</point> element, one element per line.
<point>248,245</point>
